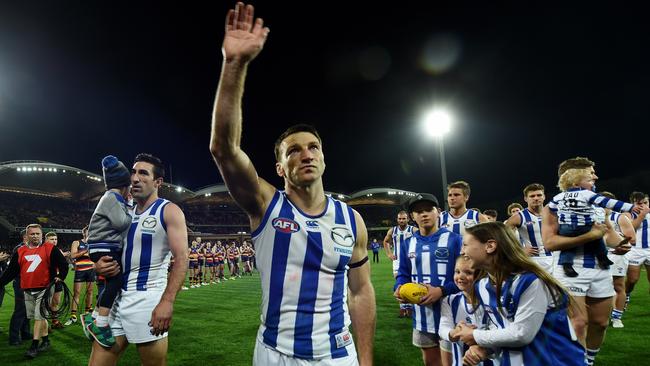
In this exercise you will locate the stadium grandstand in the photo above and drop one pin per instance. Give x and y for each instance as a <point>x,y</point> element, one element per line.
<point>62,198</point>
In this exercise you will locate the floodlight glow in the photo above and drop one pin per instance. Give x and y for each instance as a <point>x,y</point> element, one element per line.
<point>178,189</point>
<point>437,123</point>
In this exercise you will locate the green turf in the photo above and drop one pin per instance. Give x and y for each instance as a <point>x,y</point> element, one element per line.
<point>217,324</point>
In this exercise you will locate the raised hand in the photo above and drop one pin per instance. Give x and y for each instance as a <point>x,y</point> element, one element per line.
<point>244,37</point>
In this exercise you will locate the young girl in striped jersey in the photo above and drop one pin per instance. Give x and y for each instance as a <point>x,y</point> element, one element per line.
<point>458,308</point>
<point>527,309</point>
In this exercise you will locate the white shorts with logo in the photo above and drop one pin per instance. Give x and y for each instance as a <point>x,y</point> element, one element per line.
<point>395,265</point>
<point>265,355</point>
<point>545,261</point>
<point>593,282</point>
<point>619,268</point>
<point>131,314</point>
<point>639,256</point>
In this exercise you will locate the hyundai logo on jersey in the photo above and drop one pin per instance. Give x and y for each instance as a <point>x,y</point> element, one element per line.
<point>150,222</point>
<point>285,225</point>
<point>342,236</point>
<point>442,253</point>
<point>312,224</point>
<point>470,223</point>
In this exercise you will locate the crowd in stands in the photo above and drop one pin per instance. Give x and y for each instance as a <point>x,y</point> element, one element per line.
<point>23,209</point>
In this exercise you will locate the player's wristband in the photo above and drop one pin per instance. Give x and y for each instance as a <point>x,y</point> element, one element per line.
<point>359,263</point>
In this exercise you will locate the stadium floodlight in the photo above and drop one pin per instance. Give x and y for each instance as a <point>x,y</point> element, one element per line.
<point>437,124</point>
<point>179,189</point>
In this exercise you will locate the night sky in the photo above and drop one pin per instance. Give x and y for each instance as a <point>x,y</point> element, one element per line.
<point>528,86</point>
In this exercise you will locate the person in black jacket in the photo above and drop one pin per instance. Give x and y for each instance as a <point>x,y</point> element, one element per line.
<point>19,324</point>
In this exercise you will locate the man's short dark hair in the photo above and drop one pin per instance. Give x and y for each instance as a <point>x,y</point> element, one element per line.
<point>578,162</point>
<point>533,187</point>
<point>462,185</point>
<point>637,197</point>
<point>302,127</point>
<point>158,167</point>
<point>491,213</point>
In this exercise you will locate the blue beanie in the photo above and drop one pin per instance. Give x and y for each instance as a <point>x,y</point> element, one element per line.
<point>116,175</point>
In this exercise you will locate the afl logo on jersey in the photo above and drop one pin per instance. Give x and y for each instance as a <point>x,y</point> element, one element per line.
<point>342,236</point>
<point>150,222</point>
<point>285,225</point>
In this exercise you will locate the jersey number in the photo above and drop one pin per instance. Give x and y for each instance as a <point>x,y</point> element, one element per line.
<point>35,259</point>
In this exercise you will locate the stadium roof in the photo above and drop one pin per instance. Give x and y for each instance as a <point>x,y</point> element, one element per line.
<point>380,196</point>
<point>64,181</point>
<point>50,179</point>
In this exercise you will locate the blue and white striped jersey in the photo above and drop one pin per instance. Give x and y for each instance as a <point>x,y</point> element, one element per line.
<point>555,342</point>
<point>429,259</point>
<point>455,309</point>
<point>643,234</point>
<point>530,231</point>
<point>458,224</point>
<point>614,217</point>
<point>146,254</point>
<point>399,236</point>
<point>576,206</point>
<point>303,264</point>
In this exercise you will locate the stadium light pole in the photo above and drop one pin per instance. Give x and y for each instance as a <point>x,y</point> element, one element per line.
<point>437,124</point>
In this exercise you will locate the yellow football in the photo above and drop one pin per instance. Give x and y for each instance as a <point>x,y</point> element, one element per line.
<point>412,292</point>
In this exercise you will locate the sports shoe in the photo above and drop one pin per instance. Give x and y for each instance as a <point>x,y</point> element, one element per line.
<point>31,353</point>
<point>184,288</point>
<point>85,320</point>
<point>617,323</point>
<point>102,335</point>
<point>72,320</point>
<point>44,346</point>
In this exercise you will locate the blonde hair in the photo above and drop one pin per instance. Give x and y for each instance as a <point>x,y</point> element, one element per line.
<point>510,259</point>
<point>33,226</point>
<point>572,177</point>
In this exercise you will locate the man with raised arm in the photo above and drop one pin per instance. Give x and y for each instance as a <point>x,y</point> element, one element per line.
<point>310,248</point>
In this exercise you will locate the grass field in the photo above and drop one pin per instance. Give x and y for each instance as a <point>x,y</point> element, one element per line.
<point>216,325</point>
